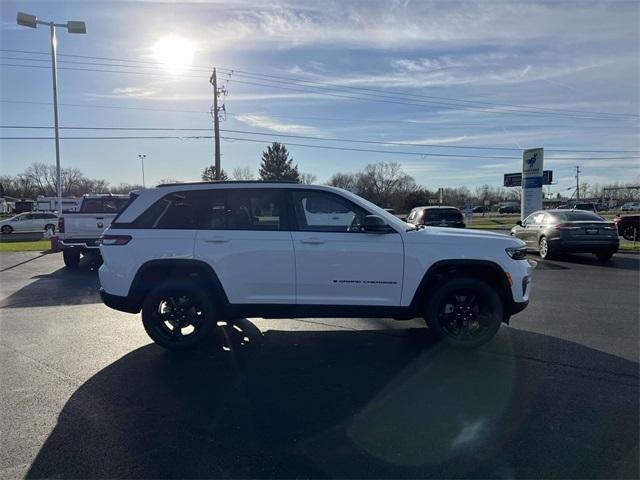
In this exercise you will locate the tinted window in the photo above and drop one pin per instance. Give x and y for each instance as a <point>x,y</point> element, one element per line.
<point>258,209</point>
<point>578,216</point>
<point>438,215</point>
<point>326,212</point>
<point>92,206</point>
<point>178,210</point>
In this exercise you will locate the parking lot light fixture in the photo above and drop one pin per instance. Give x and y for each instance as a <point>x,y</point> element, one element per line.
<point>72,26</point>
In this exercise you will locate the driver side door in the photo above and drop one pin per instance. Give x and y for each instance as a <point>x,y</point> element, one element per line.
<point>336,263</point>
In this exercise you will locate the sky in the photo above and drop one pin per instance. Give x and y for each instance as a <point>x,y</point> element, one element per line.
<point>438,75</point>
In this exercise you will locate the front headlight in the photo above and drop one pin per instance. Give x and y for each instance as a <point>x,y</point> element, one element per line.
<point>517,253</point>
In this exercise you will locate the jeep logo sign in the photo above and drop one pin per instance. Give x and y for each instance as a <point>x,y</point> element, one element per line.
<point>532,179</point>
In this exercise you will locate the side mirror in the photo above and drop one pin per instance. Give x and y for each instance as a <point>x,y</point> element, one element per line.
<point>519,223</point>
<point>375,224</point>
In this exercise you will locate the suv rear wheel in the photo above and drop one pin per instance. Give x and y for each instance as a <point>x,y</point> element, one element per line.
<point>465,312</point>
<point>178,315</point>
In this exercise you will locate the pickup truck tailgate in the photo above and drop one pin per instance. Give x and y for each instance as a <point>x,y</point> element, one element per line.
<point>86,225</point>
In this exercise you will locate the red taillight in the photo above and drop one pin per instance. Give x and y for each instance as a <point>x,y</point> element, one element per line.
<point>61,225</point>
<point>567,226</point>
<point>114,239</point>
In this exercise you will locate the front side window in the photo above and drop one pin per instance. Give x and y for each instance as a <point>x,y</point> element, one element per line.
<point>326,212</point>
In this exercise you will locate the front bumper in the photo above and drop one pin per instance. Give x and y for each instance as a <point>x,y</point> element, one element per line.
<point>123,304</point>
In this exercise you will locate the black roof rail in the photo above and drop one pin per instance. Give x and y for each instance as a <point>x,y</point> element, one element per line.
<point>225,182</point>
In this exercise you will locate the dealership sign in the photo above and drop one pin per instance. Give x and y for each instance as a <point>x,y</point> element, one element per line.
<point>531,181</point>
<point>515,179</point>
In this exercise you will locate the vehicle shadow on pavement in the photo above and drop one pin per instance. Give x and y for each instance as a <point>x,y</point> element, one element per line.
<point>564,262</point>
<point>62,287</point>
<point>366,404</point>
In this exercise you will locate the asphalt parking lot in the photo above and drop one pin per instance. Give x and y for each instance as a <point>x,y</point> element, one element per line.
<point>85,394</point>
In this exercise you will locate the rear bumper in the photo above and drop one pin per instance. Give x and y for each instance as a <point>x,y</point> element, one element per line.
<point>517,307</point>
<point>83,243</point>
<point>585,246</point>
<point>123,304</point>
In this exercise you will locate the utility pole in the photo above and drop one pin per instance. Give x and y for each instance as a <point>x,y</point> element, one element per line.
<point>577,182</point>
<point>216,125</point>
<point>142,157</point>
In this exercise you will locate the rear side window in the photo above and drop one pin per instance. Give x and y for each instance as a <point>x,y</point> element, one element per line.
<point>178,210</point>
<point>228,209</point>
<point>258,209</point>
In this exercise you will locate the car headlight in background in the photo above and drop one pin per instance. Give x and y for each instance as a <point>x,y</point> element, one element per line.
<point>517,253</point>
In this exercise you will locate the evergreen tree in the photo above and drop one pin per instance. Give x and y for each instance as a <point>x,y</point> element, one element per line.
<point>277,165</point>
<point>209,174</point>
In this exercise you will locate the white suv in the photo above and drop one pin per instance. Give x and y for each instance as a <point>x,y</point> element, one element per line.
<point>188,255</point>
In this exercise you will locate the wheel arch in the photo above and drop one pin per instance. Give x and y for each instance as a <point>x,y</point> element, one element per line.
<point>440,271</point>
<point>155,272</point>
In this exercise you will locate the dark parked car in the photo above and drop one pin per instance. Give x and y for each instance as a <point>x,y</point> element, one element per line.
<point>436,217</point>
<point>628,227</point>
<point>589,207</point>
<point>552,232</point>
<point>509,209</point>
<point>479,209</point>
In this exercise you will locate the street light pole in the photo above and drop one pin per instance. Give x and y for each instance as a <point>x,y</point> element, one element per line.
<point>54,73</point>
<point>72,26</point>
<point>142,157</point>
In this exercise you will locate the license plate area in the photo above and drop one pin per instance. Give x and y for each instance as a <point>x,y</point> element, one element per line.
<point>592,231</point>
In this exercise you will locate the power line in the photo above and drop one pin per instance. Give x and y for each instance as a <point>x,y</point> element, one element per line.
<point>409,122</point>
<point>329,139</point>
<point>157,64</point>
<point>326,147</point>
<point>377,96</point>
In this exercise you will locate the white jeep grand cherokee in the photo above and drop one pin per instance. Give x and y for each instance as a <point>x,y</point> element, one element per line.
<point>189,255</point>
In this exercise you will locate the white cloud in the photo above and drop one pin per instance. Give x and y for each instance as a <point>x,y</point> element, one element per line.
<point>263,121</point>
<point>134,92</point>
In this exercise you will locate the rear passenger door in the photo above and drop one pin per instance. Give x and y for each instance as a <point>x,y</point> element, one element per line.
<point>245,236</point>
<point>336,263</point>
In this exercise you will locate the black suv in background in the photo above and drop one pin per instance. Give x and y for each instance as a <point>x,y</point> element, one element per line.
<point>436,217</point>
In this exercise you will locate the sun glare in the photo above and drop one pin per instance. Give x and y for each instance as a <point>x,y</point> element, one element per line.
<point>176,53</point>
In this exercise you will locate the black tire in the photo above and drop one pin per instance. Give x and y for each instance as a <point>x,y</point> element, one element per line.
<point>544,249</point>
<point>178,315</point>
<point>6,229</point>
<point>464,312</point>
<point>604,256</point>
<point>71,257</point>
<point>50,226</point>
<point>630,233</point>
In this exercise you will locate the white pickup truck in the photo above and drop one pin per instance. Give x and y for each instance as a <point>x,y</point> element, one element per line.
<point>78,232</point>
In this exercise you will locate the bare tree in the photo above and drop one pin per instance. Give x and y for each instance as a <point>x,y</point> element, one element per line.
<point>243,173</point>
<point>381,182</point>
<point>346,181</point>
<point>307,178</point>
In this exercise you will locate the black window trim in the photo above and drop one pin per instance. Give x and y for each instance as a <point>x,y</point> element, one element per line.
<point>286,217</point>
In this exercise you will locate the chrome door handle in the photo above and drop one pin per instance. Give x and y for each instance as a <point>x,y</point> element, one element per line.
<point>216,240</point>
<point>312,241</point>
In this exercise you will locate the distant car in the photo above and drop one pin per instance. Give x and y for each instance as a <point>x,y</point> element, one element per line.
<point>509,209</point>
<point>630,207</point>
<point>589,207</point>
<point>29,222</point>
<point>552,232</point>
<point>628,227</point>
<point>436,217</point>
<point>479,209</point>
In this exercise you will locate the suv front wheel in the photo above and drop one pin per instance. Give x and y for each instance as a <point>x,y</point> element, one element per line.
<point>178,315</point>
<point>464,312</point>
